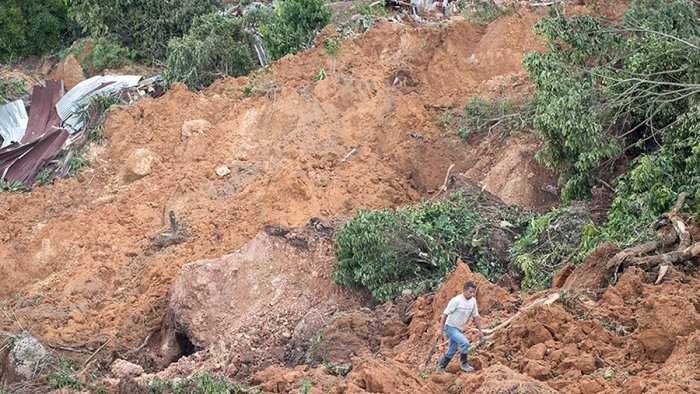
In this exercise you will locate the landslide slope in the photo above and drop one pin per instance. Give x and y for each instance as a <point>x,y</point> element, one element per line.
<point>81,261</point>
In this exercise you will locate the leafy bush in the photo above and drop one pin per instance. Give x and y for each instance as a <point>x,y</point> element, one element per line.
<point>652,186</point>
<point>65,375</point>
<point>414,247</point>
<point>32,27</point>
<point>604,91</point>
<point>501,116</point>
<point>550,241</point>
<point>144,26</point>
<point>106,53</point>
<point>215,47</point>
<point>295,27</point>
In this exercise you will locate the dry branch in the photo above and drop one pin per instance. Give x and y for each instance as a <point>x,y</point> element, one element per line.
<point>685,250</point>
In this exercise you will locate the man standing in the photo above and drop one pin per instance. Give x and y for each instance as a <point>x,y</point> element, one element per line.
<point>455,316</point>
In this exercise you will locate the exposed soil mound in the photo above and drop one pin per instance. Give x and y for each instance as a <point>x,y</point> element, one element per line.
<point>77,258</point>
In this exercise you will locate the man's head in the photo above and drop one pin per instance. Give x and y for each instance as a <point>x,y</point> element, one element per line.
<point>469,290</point>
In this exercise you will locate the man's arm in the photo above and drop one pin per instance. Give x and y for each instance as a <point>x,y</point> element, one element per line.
<point>477,322</point>
<point>442,325</point>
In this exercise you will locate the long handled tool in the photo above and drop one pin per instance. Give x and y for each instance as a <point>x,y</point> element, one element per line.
<point>432,351</point>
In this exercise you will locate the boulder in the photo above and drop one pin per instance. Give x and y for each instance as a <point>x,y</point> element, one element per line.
<point>26,358</point>
<point>139,164</point>
<point>123,369</point>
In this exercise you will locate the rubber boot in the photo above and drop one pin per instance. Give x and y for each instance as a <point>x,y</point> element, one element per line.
<point>465,365</point>
<point>442,364</point>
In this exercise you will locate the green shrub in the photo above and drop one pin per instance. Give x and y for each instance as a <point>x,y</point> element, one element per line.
<point>33,27</point>
<point>64,375</point>
<point>144,26</point>
<point>295,27</point>
<point>414,247</point>
<point>502,117</point>
<point>604,90</point>
<point>215,47</point>
<point>550,241</point>
<point>106,53</point>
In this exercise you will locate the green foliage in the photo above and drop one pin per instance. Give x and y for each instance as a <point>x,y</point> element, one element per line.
<point>215,47</point>
<point>10,90</point>
<point>331,45</point>
<point>605,90</point>
<point>550,241</point>
<point>306,386</point>
<point>32,27</point>
<point>11,186</point>
<point>76,164</point>
<point>482,11</point>
<point>201,383</point>
<point>501,116</point>
<point>106,53</point>
<point>144,26</point>
<point>65,375</point>
<point>295,27</point>
<point>652,186</point>
<point>414,247</point>
<point>320,76</point>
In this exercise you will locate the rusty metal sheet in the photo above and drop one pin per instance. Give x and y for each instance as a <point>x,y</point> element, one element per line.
<point>42,114</point>
<point>21,163</point>
<point>13,122</point>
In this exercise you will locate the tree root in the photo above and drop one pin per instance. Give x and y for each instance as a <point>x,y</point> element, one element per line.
<point>686,248</point>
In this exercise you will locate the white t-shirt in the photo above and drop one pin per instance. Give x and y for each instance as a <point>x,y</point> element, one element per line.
<point>458,311</point>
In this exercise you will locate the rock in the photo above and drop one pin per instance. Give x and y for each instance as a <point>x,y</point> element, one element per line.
<point>138,164</point>
<point>562,275</point>
<point>27,357</point>
<point>194,127</point>
<point>634,385</point>
<point>222,171</point>
<point>123,368</point>
<point>211,302</point>
<point>70,72</point>
<point>536,352</point>
<point>538,369</point>
<point>500,379</point>
<point>76,316</point>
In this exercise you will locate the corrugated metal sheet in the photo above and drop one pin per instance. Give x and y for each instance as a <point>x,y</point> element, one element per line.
<point>21,163</point>
<point>42,114</point>
<point>13,122</point>
<point>77,98</point>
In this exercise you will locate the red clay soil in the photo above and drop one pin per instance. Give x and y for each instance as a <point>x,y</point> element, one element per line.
<point>78,263</point>
<point>88,259</point>
<point>632,337</point>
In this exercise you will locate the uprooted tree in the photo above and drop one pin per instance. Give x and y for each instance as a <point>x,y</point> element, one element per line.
<point>413,247</point>
<point>606,92</point>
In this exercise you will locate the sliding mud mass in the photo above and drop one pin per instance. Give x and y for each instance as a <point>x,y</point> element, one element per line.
<point>258,184</point>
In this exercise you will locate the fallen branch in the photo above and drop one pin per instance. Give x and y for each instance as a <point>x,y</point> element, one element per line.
<point>548,300</point>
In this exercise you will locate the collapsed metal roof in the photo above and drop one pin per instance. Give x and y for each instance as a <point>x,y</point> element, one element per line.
<point>13,122</point>
<point>70,106</point>
<point>42,114</point>
<point>31,142</point>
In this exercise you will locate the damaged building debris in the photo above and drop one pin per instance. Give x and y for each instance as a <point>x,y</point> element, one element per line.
<point>57,124</point>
